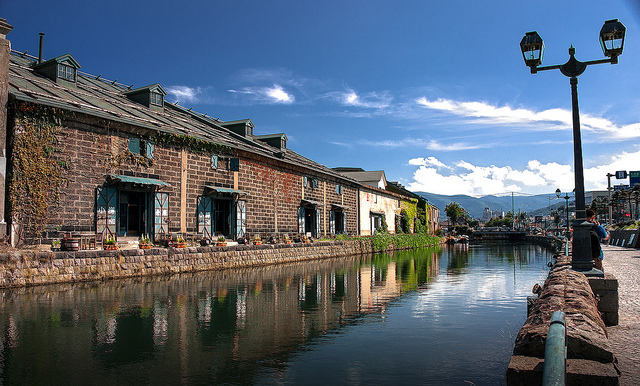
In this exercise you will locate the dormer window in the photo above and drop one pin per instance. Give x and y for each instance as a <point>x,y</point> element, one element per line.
<point>62,70</point>
<point>66,72</point>
<point>151,96</point>
<point>156,98</point>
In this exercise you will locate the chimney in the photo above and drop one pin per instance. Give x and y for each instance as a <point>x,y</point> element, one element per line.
<point>40,49</point>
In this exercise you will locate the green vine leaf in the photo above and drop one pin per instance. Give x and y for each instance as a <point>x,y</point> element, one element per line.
<point>37,172</point>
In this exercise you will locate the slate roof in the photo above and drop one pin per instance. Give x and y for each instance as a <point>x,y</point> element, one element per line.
<point>366,177</point>
<point>105,99</point>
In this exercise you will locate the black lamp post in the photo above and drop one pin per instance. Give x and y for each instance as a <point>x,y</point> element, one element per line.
<point>558,193</point>
<point>612,42</point>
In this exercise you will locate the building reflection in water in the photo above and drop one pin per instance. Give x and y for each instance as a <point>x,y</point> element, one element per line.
<point>207,327</point>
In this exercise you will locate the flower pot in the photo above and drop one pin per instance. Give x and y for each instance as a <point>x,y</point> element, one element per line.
<point>71,244</point>
<point>221,244</point>
<point>110,247</point>
<point>146,246</point>
<point>180,245</point>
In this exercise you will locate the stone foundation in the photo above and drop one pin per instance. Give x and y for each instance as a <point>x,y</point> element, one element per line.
<point>24,268</point>
<point>606,292</point>
<point>589,354</point>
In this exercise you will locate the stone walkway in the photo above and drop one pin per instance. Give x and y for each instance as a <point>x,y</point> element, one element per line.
<point>624,264</point>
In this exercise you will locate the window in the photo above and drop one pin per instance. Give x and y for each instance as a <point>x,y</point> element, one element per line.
<point>66,72</point>
<point>337,222</point>
<point>156,98</point>
<point>141,147</point>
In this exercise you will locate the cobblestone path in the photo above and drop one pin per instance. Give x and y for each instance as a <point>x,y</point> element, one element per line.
<point>624,264</point>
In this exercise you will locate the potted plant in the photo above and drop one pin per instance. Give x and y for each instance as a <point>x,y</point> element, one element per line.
<point>180,243</point>
<point>286,239</point>
<point>257,240</point>
<point>145,243</point>
<point>55,245</point>
<point>110,243</point>
<point>222,242</point>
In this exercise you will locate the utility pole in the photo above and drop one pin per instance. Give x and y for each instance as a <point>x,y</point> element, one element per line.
<point>609,188</point>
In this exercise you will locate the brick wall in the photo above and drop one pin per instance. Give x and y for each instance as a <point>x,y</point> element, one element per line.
<point>96,148</point>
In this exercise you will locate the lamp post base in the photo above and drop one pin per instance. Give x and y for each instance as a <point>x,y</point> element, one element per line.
<point>591,273</point>
<point>581,259</point>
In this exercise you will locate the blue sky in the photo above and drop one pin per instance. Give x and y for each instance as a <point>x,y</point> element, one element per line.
<point>436,94</point>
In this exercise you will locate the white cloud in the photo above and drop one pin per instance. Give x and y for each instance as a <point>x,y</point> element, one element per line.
<point>278,95</point>
<point>185,94</point>
<point>348,145</point>
<point>454,146</point>
<point>430,161</point>
<point>268,95</point>
<point>552,119</point>
<point>371,100</point>
<point>418,142</point>
<point>463,177</point>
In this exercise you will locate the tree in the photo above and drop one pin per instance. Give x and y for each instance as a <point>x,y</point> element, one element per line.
<point>454,211</point>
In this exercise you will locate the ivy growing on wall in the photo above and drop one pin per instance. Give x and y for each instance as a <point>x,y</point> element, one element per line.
<point>125,157</point>
<point>195,144</point>
<point>38,169</point>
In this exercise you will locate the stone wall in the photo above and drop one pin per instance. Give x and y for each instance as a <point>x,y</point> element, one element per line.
<point>590,359</point>
<point>24,268</point>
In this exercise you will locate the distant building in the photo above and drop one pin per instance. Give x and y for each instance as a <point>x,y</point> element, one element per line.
<point>597,195</point>
<point>383,203</point>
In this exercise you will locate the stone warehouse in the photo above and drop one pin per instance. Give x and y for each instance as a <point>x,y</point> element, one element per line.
<point>119,160</point>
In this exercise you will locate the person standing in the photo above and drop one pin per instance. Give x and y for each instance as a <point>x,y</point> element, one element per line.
<point>598,233</point>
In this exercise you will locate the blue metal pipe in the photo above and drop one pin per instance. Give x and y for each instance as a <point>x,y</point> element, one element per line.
<point>555,352</point>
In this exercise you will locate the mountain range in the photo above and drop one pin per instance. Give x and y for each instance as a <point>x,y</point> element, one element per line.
<point>532,205</point>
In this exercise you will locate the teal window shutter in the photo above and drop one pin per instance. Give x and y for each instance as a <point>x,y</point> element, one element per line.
<point>134,145</point>
<point>332,222</point>
<point>150,148</point>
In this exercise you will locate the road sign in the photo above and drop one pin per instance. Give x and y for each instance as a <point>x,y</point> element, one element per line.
<point>620,187</point>
<point>634,178</point>
<point>621,175</point>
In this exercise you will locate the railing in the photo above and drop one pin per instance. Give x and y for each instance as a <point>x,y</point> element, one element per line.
<point>555,352</point>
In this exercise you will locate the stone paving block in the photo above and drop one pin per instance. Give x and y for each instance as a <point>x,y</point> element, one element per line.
<point>608,301</point>
<point>597,284</point>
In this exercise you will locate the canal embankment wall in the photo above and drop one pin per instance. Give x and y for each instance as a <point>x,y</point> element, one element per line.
<point>21,268</point>
<point>590,304</point>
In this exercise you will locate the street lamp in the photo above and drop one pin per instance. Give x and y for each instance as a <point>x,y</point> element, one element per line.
<point>609,188</point>
<point>612,43</point>
<point>566,207</point>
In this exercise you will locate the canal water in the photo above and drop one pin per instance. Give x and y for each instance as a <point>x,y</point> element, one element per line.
<point>444,316</point>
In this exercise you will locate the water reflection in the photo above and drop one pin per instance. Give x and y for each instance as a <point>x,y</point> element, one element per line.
<point>231,326</point>
<point>201,328</point>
